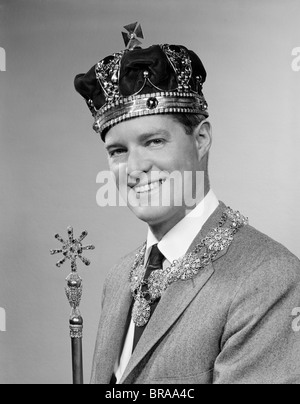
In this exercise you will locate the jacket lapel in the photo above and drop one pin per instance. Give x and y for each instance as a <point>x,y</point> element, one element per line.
<point>173,303</point>
<point>211,223</point>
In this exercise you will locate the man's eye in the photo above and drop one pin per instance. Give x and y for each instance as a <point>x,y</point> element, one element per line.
<point>155,142</point>
<point>116,152</point>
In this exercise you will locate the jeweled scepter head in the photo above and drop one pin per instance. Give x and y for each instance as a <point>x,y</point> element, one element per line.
<point>72,249</point>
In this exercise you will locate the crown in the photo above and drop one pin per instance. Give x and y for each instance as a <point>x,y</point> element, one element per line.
<point>162,79</point>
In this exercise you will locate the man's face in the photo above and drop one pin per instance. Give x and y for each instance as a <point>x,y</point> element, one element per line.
<point>155,162</point>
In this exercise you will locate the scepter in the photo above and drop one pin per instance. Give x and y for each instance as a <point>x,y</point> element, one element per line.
<point>72,249</point>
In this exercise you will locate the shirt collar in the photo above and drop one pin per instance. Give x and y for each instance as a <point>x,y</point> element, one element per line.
<point>176,242</point>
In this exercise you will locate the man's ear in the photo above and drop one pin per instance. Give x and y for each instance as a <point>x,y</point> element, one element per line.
<point>203,138</point>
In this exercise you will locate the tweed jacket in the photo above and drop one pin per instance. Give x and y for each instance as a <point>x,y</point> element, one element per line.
<point>231,324</point>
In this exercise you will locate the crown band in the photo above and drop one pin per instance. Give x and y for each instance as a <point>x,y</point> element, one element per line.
<point>149,104</point>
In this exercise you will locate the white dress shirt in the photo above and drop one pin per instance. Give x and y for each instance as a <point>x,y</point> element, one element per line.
<point>173,245</point>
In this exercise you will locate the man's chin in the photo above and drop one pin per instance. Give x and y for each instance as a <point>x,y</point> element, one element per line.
<point>151,214</point>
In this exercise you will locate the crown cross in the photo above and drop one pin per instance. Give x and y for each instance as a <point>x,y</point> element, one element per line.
<point>134,31</point>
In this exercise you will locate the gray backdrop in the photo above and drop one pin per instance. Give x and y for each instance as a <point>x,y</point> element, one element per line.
<point>50,156</point>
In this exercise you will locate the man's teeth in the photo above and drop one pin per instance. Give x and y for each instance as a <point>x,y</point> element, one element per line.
<point>148,187</point>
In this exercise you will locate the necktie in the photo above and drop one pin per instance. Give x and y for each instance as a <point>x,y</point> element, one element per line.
<point>155,262</point>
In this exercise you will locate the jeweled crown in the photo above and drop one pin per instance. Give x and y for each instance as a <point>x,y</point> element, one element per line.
<point>162,79</point>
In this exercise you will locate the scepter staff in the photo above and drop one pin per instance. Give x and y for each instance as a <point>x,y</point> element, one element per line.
<point>72,249</point>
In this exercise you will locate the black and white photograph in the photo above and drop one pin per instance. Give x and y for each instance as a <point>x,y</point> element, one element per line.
<point>150,188</point>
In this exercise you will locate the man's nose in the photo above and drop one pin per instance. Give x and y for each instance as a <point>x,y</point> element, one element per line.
<point>138,162</point>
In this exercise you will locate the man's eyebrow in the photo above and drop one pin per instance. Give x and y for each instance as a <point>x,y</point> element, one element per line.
<point>112,145</point>
<point>156,132</point>
<point>141,138</point>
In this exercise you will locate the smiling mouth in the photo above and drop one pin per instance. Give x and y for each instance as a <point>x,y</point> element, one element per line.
<point>141,189</point>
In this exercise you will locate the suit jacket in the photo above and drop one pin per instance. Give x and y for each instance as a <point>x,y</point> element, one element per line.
<point>231,324</point>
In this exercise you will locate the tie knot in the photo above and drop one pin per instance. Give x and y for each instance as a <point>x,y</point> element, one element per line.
<point>155,259</point>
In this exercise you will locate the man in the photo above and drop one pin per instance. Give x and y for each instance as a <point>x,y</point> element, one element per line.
<point>208,299</point>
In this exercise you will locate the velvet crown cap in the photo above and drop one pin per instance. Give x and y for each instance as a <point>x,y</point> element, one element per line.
<point>161,79</point>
